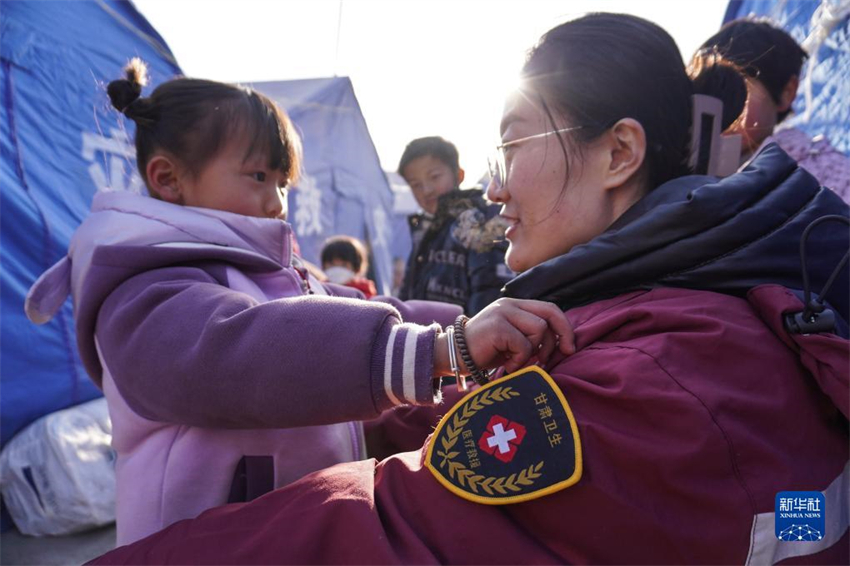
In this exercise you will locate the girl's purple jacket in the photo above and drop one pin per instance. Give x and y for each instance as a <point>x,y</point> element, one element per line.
<point>227,370</point>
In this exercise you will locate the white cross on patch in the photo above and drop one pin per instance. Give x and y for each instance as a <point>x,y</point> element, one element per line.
<point>501,438</point>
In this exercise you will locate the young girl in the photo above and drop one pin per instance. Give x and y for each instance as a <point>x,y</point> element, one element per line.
<point>228,370</point>
<point>694,406</point>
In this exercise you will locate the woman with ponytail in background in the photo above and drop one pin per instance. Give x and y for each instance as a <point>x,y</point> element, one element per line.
<point>700,389</point>
<point>764,63</point>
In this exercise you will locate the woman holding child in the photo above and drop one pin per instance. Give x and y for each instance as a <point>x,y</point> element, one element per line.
<point>689,404</point>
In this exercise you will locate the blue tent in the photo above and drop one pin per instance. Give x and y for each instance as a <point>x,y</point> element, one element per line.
<point>823,29</point>
<point>343,189</point>
<point>61,142</point>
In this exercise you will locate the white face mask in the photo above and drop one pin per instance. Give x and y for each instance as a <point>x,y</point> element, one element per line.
<point>339,275</point>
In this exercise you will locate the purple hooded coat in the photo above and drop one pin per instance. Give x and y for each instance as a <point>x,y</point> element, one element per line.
<point>228,371</point>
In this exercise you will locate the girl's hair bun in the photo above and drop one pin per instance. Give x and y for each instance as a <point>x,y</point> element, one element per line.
<point>123,92</point>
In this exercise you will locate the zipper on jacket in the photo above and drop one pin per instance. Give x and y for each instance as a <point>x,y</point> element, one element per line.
<point>305,282</point>
<point>303,275</point>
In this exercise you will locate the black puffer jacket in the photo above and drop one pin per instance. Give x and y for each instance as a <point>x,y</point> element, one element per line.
<point>459,254</point>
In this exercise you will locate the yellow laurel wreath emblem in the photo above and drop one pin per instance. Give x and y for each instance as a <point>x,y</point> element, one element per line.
<point>489,484</point>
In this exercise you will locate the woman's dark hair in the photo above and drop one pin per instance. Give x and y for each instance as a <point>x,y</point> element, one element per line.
<point>192,119</point>
<point>347,249</point>
<point>435,146</point>
<point>761,51</point>
<point>601,68</point>
<point>721,79</point>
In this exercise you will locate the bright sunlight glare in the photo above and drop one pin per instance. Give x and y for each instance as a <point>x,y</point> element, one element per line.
<point>419,67</point>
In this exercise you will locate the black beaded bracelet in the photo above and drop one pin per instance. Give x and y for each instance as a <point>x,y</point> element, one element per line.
<point>477,374</point>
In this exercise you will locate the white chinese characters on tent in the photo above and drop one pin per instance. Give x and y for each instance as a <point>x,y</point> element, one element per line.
<point>343,189</point>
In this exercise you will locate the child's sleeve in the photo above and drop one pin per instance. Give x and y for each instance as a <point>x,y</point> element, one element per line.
<point>182,348</point>
<point>423,312</point>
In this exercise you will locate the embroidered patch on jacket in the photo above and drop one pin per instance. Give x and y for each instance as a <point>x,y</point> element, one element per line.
<point>513,440</point>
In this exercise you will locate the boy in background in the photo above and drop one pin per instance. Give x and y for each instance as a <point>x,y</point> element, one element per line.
<point>458,253</point>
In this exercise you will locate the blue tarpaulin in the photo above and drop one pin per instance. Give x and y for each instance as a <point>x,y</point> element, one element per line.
<point>61,142</point>
<point>343,189</point>
<point>822,106</point>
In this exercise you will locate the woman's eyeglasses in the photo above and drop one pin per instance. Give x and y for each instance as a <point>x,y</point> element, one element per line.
<point>496,162</point>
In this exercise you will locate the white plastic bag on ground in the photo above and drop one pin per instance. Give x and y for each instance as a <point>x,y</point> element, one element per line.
<point>57,475</point>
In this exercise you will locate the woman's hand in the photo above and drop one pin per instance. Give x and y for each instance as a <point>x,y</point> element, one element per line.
<point>509,333</point>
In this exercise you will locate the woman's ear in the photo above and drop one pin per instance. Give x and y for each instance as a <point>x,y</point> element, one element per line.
<point>164,179</point>
<point>788,94</point>
<point>626,150</point>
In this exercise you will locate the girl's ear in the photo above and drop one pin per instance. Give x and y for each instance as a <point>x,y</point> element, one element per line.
<point>625,147</point>
<point>163,179</point>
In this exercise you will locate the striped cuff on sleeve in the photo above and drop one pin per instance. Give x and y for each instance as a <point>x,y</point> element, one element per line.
<point>402,365</point>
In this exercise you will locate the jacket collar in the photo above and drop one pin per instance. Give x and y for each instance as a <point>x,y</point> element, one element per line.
<point>122,218</point>
<point>726,235</point>
<point>449,206</point>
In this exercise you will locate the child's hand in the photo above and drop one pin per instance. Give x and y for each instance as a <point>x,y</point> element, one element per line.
<point>509,333</point>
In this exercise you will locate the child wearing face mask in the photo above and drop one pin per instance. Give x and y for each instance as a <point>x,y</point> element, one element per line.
<point>344,263</point>
<point>228,369</point>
